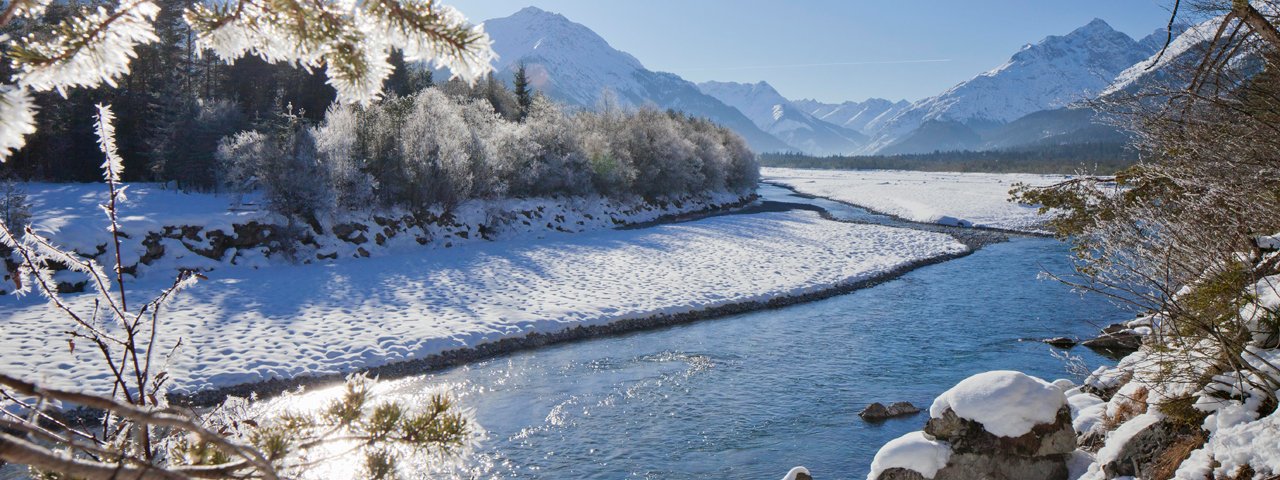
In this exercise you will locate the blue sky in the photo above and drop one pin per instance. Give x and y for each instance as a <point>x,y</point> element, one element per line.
<point>833,50</point>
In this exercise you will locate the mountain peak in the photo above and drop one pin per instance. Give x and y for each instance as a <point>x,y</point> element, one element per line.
<point>531,11</point>
<point>1097,24</point>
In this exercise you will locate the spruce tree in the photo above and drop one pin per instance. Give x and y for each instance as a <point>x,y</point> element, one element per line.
<point>524,95</point>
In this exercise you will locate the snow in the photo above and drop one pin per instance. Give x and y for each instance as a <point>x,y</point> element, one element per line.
<point>795,473</point>
<point>69,213</point>
<point>773,113</point>
<point>1121,436</point>
<point>1184,45</point>
<point>1239,445</point>
<point>862,117</point>
<point>1053,73</point>
<point>913,451</point>
<point>1006,403</point>
<point>965,199</point>
<point>1087,410</point>
<point>278,321</point>
<point>1078,464</point>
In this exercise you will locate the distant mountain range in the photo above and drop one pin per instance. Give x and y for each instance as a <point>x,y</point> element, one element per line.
<point>784,120</point>
<point>570,63</point>
<point>1027,101</point>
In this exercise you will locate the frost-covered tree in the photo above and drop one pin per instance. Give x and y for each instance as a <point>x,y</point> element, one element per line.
<point>140,436</point>
<point>351,41</point>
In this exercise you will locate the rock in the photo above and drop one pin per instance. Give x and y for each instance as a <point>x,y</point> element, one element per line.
<point>1145,448</point>
<point>968,436</point>
<point>1114,328</point>
<point>877,411</point>
<point>971,466</point>
<point>1060,342</point>
<point>952,447</point>
<point>1122,341</point>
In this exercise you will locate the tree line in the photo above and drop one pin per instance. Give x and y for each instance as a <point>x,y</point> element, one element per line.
<point>1093,158</point>
<point>444,145</point>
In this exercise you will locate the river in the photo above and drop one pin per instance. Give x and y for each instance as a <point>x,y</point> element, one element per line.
<point>752,395</point>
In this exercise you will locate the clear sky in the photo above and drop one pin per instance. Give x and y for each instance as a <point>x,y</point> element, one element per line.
<point>833,50</point>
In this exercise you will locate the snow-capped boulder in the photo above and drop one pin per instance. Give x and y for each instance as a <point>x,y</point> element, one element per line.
<point>1000,424</point>
<point>911,456</point>
<point>1004,402</point>
<point>798,473</point>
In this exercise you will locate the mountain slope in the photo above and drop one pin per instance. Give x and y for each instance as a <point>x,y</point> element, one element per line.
<point>570,63</point>
<point>773,113</point>
<point>863,117</point>
<point>1053,73</point>
<point>1183,53</point>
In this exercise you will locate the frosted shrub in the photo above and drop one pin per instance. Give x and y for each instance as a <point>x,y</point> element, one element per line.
<point>435,149</point>
<point>337,150</point>
<point>558,165</point>
<point>664,158</point>
<point>435,141</point>
<point>282,164</point>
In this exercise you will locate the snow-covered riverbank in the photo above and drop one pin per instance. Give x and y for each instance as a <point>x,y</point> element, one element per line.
<point>966,199</point>
<point>246,325</point>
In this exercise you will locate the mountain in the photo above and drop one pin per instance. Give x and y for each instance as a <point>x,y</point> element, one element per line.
<point>1185,51</point>
<point>773,113</point>
<point>1051,74</point>
<point>569,62</point>
<point>863,117</point>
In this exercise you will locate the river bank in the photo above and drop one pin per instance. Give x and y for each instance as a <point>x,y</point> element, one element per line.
<point>770,201</point>
<point>751,395</point>
<point>250,326</point>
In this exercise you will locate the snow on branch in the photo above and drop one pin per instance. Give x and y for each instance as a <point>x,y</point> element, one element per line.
<point>85,49</point>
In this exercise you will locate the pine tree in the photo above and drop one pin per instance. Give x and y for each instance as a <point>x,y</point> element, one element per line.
<point>524,95</point>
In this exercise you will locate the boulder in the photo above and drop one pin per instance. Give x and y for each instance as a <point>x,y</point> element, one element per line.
<point>1145,448</point>
<point>967,436</point>
<point>1060,342</point>
<point>1122,341</point>
<point>877,411</point>
<point>971,466</point>
<point>1014,427</point>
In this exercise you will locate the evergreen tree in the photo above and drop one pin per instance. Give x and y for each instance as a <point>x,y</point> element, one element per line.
<point>524,94</point>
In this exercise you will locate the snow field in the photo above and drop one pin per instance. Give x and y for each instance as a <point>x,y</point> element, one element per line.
<point>278,321</point>
<point>963,199</point>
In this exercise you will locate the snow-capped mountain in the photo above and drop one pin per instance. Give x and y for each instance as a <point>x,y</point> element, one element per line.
<point>1185,50</point>
<point>1051,74</point>
<point>571,63</point>
<point>773,113</point>
<point>864,117</point>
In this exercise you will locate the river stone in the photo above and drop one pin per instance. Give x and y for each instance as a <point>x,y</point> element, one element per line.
<point>877,411</point>
<point>1060,342</point>
<point>968,436</point>
<point>1124,341</point>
